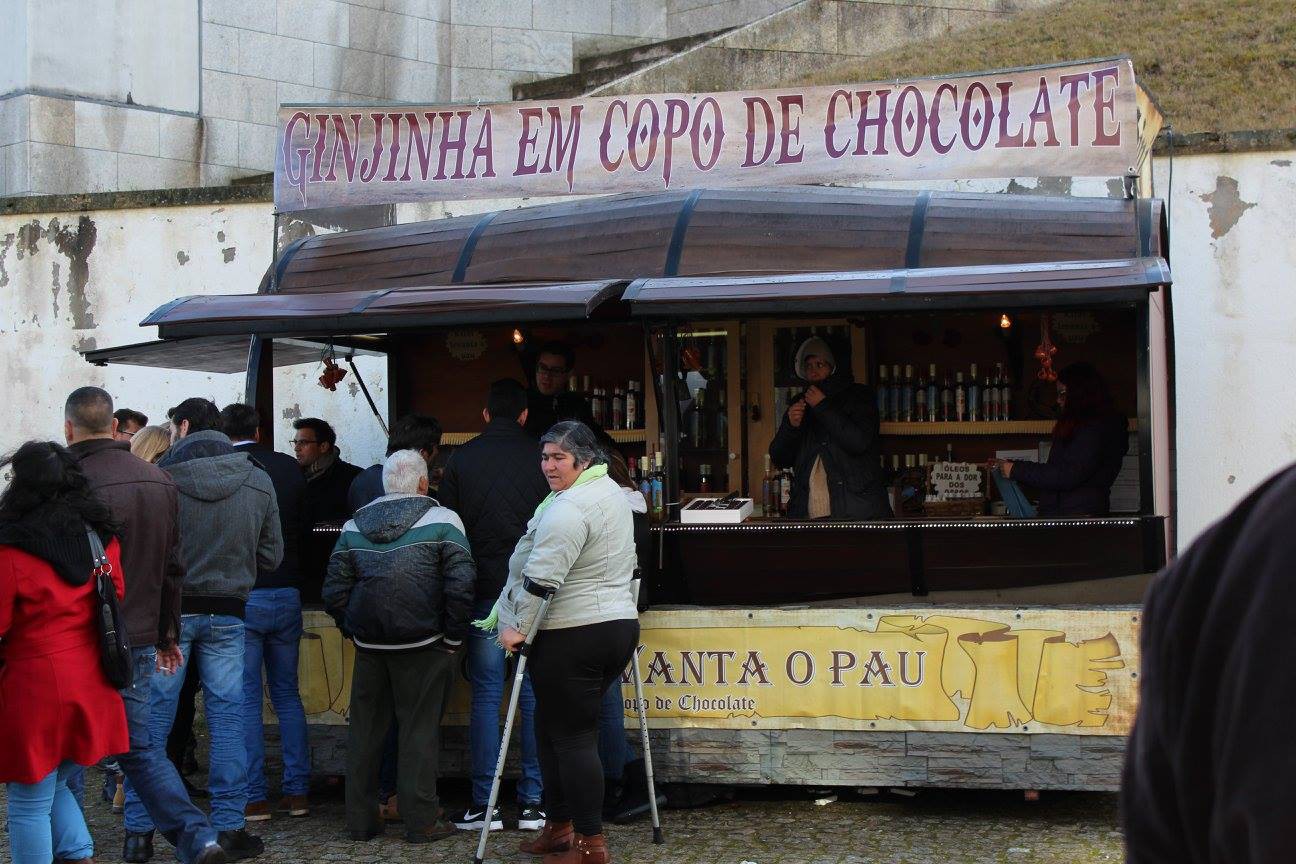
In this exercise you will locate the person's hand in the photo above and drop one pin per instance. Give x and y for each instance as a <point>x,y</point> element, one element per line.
<point>511,639</point>
<point>169,659</point>
<point>814,396</point>
<point>796,413</point>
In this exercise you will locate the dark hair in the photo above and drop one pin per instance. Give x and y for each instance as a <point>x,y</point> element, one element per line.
<point>126,415</point>
<point>562,349</point>
<point>201,414</point>
<point>412,432</point>
<point>574,437</point>
<point>618,470</point>
<point>46,474</point>
<point>1087,398</point>
<point>89,408</point>
<point>507,399</point>
<point>240,421</point>
<point>323,431</point>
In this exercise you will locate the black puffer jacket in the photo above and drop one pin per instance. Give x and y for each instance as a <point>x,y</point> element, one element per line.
<point>843,429</point>
<point>494,483</point>
<point>544,411</point>
<point>1077,478</point>
<point>401,576</point>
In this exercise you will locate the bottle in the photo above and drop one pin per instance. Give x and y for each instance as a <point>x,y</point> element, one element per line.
<point>769,506</point>
<point>596,408</point>
<point>632,405</point>
<point>897,394</point>
<point>960,398</point>
<point>883,395</point>
<point>721,438</point>
<point>657,507</point>
<point>704,478</point>
<point>933,394</point>
<point>696,426</point>
<point>997,384</point>
<point>920,399</point>
<point>618,408</point>
<point>573,386</point>
<point>586,391</point>
<point>974,397</point>
<point>1005,398</point>
<point>947,400</point>
<point>991,398</point>
<point>785,492</point>
<point>645,481</point>
<point>907,395</point>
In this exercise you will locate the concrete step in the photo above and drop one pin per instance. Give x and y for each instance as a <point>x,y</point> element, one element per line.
<point>651,51</point>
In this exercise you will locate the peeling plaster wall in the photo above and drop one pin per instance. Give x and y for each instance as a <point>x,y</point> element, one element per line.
<point>78,281</point>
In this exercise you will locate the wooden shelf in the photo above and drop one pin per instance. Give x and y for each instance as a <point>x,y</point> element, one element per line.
<point>620,436</point>
<point>1004,427</point>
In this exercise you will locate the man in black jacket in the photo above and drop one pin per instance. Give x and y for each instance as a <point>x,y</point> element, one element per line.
<point>830,439</point>
<point>273,630</point>
<point>328,479</point>
<point>494,483</point>
<point>548,400</point>
<point>411,432</point>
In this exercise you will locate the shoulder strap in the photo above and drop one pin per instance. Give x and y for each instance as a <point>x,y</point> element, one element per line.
<point>97,554</point>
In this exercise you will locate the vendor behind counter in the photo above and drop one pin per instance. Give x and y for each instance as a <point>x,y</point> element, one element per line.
<point>830,438</point>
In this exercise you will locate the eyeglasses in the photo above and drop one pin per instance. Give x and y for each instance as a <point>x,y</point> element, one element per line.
<point>302,442</point>
<point>818,364</point>
<point>542,369</point>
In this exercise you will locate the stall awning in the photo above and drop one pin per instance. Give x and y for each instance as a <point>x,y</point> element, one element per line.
<point>224,354</point>
<point>1064,283</point>
<point>378,311</point>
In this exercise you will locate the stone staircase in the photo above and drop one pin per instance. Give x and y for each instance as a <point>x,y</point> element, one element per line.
<point>600,69</point>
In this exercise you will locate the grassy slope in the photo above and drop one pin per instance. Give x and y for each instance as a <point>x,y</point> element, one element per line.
<point>1212,65</point>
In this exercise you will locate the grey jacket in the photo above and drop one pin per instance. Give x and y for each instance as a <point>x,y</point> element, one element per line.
<point>582,545</point>
<point>229,522</point>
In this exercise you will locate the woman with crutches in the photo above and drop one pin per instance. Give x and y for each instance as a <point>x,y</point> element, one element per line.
<point>580,544</point>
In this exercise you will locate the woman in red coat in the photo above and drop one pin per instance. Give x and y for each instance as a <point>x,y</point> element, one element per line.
<point>57,708</point>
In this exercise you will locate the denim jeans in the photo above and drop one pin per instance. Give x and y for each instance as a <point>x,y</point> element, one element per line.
<point>487,670</point>
<point>215,643</point>
<point>614,751</point>
<point>45,821</point>
<point>272,634</point>
<point>155,795</point>
<point>76,785</point>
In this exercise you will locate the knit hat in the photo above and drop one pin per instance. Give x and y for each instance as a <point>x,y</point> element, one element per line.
<point>817,347</point>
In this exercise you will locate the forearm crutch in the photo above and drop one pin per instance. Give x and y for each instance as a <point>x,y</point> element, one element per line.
<point>545,594</point>
<point>642,708</point>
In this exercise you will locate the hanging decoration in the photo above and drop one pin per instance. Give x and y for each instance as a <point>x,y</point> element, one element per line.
<point>1045,350</point>
<point>332,372</point>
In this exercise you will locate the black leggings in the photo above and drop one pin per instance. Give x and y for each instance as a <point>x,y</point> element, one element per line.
<point>571,669</point>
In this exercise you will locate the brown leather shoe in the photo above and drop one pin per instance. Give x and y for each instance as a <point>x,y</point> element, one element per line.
<point>257,811</point>
<point>584,850</point>
<point>294,805</point>
<point>390,811</point>
<point>553,837</point>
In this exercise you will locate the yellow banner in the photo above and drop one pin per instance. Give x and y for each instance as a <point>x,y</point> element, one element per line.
<point>976,670</point>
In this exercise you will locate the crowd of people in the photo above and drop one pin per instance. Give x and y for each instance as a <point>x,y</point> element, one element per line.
<point>208,536</point>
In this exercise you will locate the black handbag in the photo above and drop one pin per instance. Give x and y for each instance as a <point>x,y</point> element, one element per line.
<point>114,649</point>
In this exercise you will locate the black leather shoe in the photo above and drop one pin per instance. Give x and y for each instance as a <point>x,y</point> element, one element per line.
<point>194,792</point>
<point>138,848</point>
<point>213,854</point>
<point>366,835</point>
<point>240,844</point>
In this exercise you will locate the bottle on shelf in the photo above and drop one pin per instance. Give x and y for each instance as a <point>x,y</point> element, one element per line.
<point>990,396</point>
<point>645,481</point>
<point>947,400</point>
<point>573,386</point>
<point>618,408</point>
<point>883,395</point>
<point>769,491</point>
<point>974,407</point>
<point>696,426</point>
<point>997,384</point>
<point>785,492</point>
<point>657,506</point>
<point>894,409</point>
<point>721,437</point>
<point>586,390</point>
<point>920,398</point>
<point>960,398</point>
<point>596,408</point>
<point>907,395</point>
<point>704,478</point>
<point>933,394</point>
<point>1005,398</point>
<point>632,405</point>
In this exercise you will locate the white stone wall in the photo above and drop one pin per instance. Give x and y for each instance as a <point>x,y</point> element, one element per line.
<point>686,17</point>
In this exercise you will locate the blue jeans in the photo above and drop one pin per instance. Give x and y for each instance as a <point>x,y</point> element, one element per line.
<point>487,670</point>
<point>76,785</point>
<point>153,787</point>
<point>272,634</point>
<point>45,821</point>
<point>215,643</point>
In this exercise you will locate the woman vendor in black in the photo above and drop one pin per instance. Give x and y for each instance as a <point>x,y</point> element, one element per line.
<point>829,437</point>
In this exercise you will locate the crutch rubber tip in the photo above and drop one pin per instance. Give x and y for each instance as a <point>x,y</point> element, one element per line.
<point>658,838</point>
<point>476,860</point>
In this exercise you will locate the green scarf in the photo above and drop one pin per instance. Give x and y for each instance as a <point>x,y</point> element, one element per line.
<point>590,474</point>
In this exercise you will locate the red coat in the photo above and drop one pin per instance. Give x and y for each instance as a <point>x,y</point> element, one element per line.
<point>55,702</point>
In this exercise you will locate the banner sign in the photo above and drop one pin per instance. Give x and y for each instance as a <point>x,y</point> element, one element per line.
<point>1033,670</point>
<point>1071,120</point>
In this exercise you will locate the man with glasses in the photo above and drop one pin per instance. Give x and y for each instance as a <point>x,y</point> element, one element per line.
<point>548,399</point>
<point>328,479</point>
<point>128,423</point>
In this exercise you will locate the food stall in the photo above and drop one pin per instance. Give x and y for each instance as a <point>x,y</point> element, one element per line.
<point>951,645</point>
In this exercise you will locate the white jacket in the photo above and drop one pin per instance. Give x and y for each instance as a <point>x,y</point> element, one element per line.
<point>582,544</point>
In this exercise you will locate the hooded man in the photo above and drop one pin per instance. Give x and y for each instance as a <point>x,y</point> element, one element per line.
<point>829,438</point>
<point>229,528</point>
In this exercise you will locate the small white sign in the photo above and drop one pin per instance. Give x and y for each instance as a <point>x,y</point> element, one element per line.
<point>954,480</point>
<point>466,344</point>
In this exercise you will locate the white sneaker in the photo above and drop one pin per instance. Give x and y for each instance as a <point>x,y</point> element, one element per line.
<point>531,818</point>
<point>474,818</point>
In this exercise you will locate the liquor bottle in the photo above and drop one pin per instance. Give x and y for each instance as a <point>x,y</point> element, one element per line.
<point>618,408</point>
<point>947,400</point>
<point>990,399</point>
<point>769,503</point>
<point>883,395</point>
<point>933,394</point>
<point>596,408</point>
<point>785,492</point>
<point>704,478</point>
<point>1005,398</point>
<point>573,386</point>
<point>997,384</point>
<point>586,390</point>
<point>657,506</point>
<point>632,405</point>
<point>960,398</point>
<point>897,394</point>
<point>920,399</point>
<point>907,395</point>
<point>975,408</point>
<point>721,438</point>
<point>696,426</point>
<point>645,481</point>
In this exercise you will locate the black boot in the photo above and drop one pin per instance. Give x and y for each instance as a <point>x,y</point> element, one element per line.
<point>138,848</point>
<point>240,844</point>
<point>213,854</point>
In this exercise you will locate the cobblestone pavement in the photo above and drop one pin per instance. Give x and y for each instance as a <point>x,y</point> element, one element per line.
<point>766,826</point>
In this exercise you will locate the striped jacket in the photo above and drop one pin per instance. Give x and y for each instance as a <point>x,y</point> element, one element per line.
<point>401,575</point>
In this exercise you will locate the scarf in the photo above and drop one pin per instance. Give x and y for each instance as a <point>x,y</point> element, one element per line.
<point>316,469</point>
<point>56,535</point>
